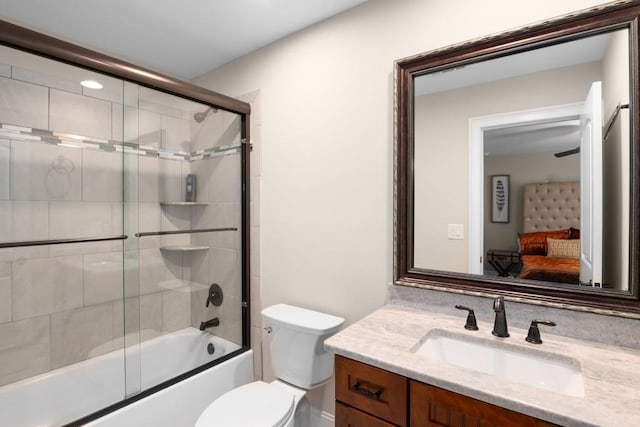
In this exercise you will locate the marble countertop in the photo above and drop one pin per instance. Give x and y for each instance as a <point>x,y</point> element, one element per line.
<point>611,375</point>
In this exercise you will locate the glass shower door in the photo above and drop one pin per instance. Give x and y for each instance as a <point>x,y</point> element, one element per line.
<point>183,189</point>
<point>61,241</point>
<point>121,212</point>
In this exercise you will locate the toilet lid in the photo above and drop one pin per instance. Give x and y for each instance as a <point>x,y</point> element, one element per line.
<point>256,404</point>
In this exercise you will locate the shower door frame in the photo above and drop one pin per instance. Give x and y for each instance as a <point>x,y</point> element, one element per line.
<point>17,37</point>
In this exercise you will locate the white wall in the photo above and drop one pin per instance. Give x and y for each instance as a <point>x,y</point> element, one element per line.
<point>326,98</point>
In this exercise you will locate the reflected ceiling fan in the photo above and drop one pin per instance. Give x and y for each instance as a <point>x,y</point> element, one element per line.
<point>568,152</point>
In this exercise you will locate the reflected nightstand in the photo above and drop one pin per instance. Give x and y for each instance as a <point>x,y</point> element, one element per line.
<point>503,260</point>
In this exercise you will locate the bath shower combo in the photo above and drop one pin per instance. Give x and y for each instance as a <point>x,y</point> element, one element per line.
<point>112,265</point>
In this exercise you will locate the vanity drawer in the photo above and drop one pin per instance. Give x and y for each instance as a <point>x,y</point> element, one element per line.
<point>435,407</point>
<point>372,390</point>
<point>346,416</point>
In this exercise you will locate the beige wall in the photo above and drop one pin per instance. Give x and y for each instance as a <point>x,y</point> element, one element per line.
<point>522,169</point>
<point>326,97</point>
<point>443,165</point>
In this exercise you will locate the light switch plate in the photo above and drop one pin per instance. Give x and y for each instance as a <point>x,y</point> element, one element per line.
<point>456,232</point>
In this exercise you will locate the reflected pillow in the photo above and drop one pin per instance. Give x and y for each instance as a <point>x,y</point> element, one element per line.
<point>563,248</point>
<point>535,243</point>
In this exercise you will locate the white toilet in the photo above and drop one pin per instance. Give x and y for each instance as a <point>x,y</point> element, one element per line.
<point>299,362</point>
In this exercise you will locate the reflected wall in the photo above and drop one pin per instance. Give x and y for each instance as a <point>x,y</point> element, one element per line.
<point>442,155</point>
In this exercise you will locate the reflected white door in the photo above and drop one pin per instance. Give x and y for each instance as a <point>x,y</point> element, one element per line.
<point>591,188</point>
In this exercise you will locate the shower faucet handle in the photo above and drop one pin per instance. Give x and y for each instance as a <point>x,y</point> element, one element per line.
<point>215,295</point>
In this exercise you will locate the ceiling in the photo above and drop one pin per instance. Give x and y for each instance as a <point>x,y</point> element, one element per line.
<point>550,137</point>
<point>180,38</point>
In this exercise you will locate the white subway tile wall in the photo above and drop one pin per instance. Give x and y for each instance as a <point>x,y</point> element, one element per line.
<point>45,172</point>
<point>61,304</point>
<point>38,78</point>
<point>24,104</point>
<point>103,278</point>
<point>79,219</point>
<point>117,122</point>
<point>177,134</point>
<point>25,346</point>
<point>5,170</point>
<point>5,70</point>
<point>79,334</point>
<point>150,315</point>
<point>176,309</point>
<point>101,176</point>
<point>65,108</point>
<point>46,286</point>
<point>23,220</point>
<point>149,132</point>
<point>5,292</point>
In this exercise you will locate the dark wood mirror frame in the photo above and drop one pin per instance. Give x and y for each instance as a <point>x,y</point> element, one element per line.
<point>593,21</point>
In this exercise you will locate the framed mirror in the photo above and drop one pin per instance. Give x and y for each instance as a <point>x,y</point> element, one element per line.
<point>517,163</point>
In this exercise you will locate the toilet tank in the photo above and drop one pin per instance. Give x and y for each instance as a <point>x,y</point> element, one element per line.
<point>296,344</point>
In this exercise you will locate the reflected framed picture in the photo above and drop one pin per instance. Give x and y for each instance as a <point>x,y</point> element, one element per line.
<point>500,198</point>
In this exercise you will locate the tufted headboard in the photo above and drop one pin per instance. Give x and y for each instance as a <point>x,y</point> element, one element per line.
<point>551,206</point>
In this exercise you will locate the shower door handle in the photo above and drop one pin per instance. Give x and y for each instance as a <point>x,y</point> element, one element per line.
<point>61,241</point>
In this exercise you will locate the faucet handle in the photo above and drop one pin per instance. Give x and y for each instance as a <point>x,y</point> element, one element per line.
<point>215,295</point>
<point>534,333</point>
<point>471,323</point>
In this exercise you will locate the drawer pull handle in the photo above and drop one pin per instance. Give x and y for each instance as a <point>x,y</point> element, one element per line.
<point>375,395</point>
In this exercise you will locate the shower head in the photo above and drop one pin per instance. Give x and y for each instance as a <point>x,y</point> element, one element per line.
<point>201,115</point>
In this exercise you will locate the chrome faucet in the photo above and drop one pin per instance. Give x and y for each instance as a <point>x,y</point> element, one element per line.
<point>500,324</point>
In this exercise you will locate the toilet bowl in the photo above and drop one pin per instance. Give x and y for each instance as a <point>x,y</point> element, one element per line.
<point>299,362</point>
<point>254,404</point>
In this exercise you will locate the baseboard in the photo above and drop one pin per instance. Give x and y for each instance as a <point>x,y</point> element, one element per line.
<point>322,419</point>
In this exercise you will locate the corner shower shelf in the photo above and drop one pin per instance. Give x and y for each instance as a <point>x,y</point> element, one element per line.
<point>184,248</point>
<point>183,203</point>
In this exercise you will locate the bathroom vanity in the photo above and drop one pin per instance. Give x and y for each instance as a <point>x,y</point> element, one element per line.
<point>360,402</point>
<point>398,367</point>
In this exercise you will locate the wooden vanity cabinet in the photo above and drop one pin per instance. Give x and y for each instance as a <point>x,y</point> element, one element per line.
<point>433,406</point>
<point>347,416</point>
<point>367,396</point>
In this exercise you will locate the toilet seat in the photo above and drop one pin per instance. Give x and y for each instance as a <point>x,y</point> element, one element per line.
<point>257,404</point>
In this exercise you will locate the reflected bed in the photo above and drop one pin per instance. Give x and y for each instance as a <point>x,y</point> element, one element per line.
<point>550,242</point>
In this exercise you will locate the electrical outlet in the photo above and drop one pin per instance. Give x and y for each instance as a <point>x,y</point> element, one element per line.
<point>456,232</point>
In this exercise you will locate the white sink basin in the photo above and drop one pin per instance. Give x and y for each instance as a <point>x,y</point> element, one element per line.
<point>535,368</point>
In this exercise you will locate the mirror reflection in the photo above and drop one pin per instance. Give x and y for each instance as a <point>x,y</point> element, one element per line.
<point>521,165</point>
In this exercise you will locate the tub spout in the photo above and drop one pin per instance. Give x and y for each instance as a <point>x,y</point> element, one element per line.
<point>209,323</point>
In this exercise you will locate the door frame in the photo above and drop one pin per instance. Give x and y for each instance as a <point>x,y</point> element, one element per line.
<point>477,127</point>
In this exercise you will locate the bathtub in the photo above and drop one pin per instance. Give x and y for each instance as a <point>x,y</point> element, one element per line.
<point>69,393</point>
